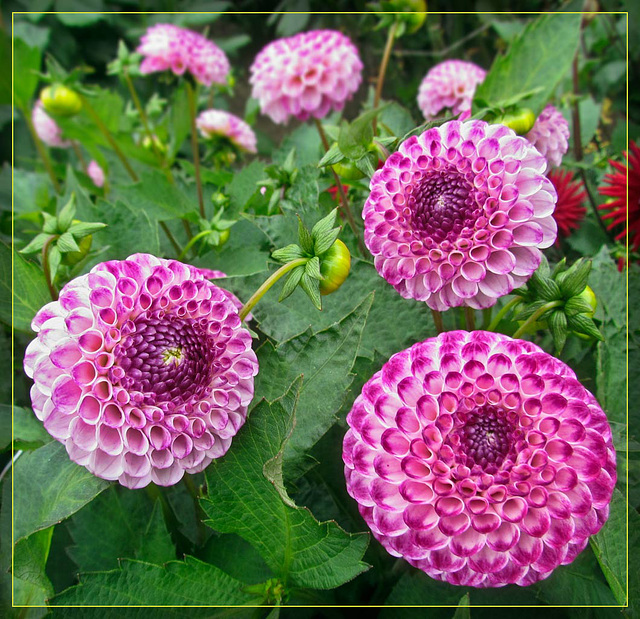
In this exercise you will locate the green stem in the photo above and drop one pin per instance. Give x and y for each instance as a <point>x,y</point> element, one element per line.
<point>437,320</point>
<point>531,320</point>
<point>258,294</point>
<point>486,318</point>
<point>170,236</point>
<point>502,313</point>
<point>41,150</point>
<point>45,268</point>
<point>190,244</point>
<point>187,228</point>
<point>391,35</point>
<point>194,145</point>
<point>109,137</point>
<point>200,515</point>
<point>470,318</point>
<point>78,152</point>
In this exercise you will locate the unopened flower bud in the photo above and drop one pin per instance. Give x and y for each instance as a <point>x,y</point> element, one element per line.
<point>335,265</point>
<point>521,120</point>
<point>60,100</point>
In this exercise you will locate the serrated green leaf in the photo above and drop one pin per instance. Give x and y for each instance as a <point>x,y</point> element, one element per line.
<point>297,548</point>
<point>291,282</point>
<point>558,326</point>
<point>333,155</point>
<point>574,280</point>
<point>312,268</point>
<point>36,244</point>
<point>66,243</point>
<point>305,240</point>
<point>66,214</point>
<point>312,289</point>
<point>288,253</point>
<point>49,487</point>
<point>583,324</point>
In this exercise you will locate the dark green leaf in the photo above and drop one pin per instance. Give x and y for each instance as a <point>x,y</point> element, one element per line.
<point>583,324</point>
<point>577,305</point>
<point>26,63</point>
<point>291,282</point>
<point>543,287</point>
<point>28,432</point>
<point>349,144</point>
<point>30,558</point>
<point>574,280</point>
<point>312,289</point>
<point>558,327</point>
<point>243,186</point>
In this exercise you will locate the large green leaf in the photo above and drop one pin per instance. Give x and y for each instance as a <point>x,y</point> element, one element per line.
<point>48,487</point>
<point>183,584</point>
<point>537,58</point>
<point>242,187</point>
<point>30,558</point>
<point>247,497</point>
<point>28,431</point>
<point>26,63</point>
<point>29,289</point>
<point>325,360</point>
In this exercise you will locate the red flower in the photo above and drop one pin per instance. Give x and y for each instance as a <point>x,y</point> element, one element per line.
<point>615,187</point>
<point>571,194</point>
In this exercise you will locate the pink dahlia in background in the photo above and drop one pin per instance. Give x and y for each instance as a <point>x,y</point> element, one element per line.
<point>450,84</point>
<point>615,188</point>
<point>479,459</point>
<point>306,75</point>
<point>571,196</point>
<point>212,123</point>
<point>96,173</point>
<point>46,128</point>
<point>550,135</point>
<point>458,215</point>
<point>142,369</point>
<point>166,47</point>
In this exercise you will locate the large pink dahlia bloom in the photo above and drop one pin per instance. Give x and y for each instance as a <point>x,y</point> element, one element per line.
<point>168,47</point>
<point>479,459</point>
<point>306,75</point>
<point>213,123</point>
<point>142,369</point>
<point>458,215</point>
<point>46,128</point>
<point>450,84</point>
<point>550,135</point>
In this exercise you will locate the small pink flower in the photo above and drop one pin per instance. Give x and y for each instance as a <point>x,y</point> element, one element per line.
<point>479,459</point>
<point>142,368</point>
<point>96,173</point>
<point>212,123</point>
<point>458,215</point>
<point>550,135</point>
<point>170,48</point>
<point>449,85</point>
<point>46,128</point>
<point>306,75</point>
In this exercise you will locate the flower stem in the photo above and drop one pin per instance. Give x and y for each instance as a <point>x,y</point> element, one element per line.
<point>195,495</point>
<point>437,320</point>
<point>194,145</point>
<point>531,320</point>
<point>41,151</point>
<point>170,236</point>
<point>190,244</point>
<point>109,137</point>
<point>258,294</point>
<point>78,152</point>
<point>343,197</point>
<point>45,268</point>
<point>470,318</point>
<point>502,313</point>
<point>391,35</point>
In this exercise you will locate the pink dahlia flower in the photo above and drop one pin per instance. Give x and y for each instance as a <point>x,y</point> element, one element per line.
<point>306,75</point>
<point>450,84</point>
<point>168,47</point>
<point>46,128</point>
<point>458,215</point>
<point>479,459</point>
<point>212,123</point>
<point>96,173</point>
<point>142,369</point>
<point>550,135</point>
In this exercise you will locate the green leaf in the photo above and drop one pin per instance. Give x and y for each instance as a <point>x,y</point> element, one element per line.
<point>288,253</point>
<point>28,432</point>
<point>577,305</point>
<point>305,239</point>
<point>243,186</point>
<point>79,13</point>
<point>30,558</point>
<point>66,243</point>
<point>36,244</point>
<point>325,359</point>
<point>333,155</point>
<point>178,583</point>
<point>29,292</point>
<point>543,287</point>
<point>463,612</point>
<point>298,548</point>
<point>574,280</point>
<point>583,324</point>
<point>82,229</point>
<point>558,326</point>
<point>291,282</point>
<point>49,487</point>
<point>26,63</point>
<point>66,214</point>
<point>311,287</point>
<point>312,268</point>
<point>539,57</point>
<point>324,225</point>
<point>349,143</point>
<point>326,241</point>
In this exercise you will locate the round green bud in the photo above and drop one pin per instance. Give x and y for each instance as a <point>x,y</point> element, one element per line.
<point>60,100</point>
<point>335,265</point>
<point>520,121</point>
<point>347,170</point>
<point>224,237</point>
<point>416,12</point>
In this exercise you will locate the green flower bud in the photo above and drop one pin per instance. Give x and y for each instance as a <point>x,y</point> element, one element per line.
<point>156,143</point>
<point>589,296</point>
<point>84,245</point>
<point>347,170</point>
<point>224,237</point>
<point>520,120</point>
<point>60,100</point>
<point>335,265</point>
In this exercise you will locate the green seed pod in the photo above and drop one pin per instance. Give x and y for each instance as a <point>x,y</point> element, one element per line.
<point>60,100</point>
<point>347,170</point>
<point>520,121</point>
<point>335,265</point>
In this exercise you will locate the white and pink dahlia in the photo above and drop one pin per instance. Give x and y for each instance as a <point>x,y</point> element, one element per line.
<point>166,47</point>
<point>479,459</point>
<point>458,215</point>
<point>212,123</point>
<point>449,85</point>
<point>550,135</point>
<point>96,173</point>
<point>143,370</point>
<point>306,75</point>
<point>46,128</point>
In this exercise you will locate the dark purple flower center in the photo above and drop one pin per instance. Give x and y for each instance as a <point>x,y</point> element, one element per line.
<point>443,204</point>
<point>166,359</point>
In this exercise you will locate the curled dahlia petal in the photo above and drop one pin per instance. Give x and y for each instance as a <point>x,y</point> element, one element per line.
<point>449,85</point>
<point>458,215</point>
<point>142,369</point>
<point>550,135</point>
<point>306,75</point>
<point>96,173</point>
<point>46,128</point>
<point>479,459</point>
<point>213,123</point>
<point>166,47</point>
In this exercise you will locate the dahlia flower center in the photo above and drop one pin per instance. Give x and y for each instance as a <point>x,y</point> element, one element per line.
<point>166,359</point>
<point>443,204</point>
